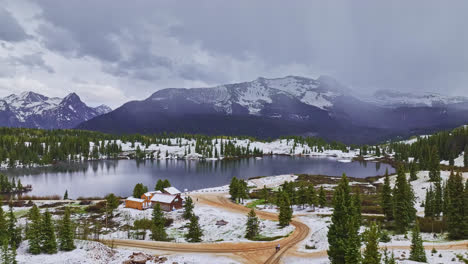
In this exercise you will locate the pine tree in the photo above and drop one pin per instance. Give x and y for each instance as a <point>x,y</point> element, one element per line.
<point>188,208</point>
<point>387,200</point>
<point>438,201</point>
<point>285,214</point>
<point>252,228</point>
<point>343,236</point>
<point>14,233</point>
<point>264,194</point>
<point>194,233</point>
<point>417,252</point>
<point>158,232</point>
<point>234,188</point>
<point>66,232</point>
<point>429,203</point>
<point>303,196</point>
<point>112,202</point>
<point>413,171</point>
<point>404,211</point>
<point>34,230</point>
<point>465,156</point>
<point>48,239</point>
<point>3,226</point>
<point>455,216</point>
<point>65,196</point>
<point>312,199</point>
<point>322,197</point>
<point>159,185</point>
<point>434,170</point>
<point>371,252</point>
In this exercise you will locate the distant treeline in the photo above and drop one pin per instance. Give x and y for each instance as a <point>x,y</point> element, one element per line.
<point>24,146</point>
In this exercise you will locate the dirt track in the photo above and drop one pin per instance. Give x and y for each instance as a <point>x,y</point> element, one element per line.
<point>251,252</point>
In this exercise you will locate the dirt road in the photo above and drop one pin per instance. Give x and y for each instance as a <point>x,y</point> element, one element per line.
<point>252,252</point>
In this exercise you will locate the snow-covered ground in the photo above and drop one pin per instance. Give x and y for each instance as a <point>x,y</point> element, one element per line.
<point>458,161</point>
<point>269,182</point>
<point>441,257</point>
<point>90,252</point>
<point>234,231</point>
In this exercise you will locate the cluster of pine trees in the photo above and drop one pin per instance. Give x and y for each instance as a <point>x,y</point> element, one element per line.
<point>238,189</point>
<point>10,186</point>
<point>428,151</point>
<point>449,202</point>
<point>158,223</point>
<point>10,236</point>
<point>398,203</point>
<point>41,232</point>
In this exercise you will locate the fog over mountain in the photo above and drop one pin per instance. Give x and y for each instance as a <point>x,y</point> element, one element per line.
<point>59,47</point>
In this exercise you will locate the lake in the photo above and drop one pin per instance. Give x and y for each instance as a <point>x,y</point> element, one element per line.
<point>98,178</point>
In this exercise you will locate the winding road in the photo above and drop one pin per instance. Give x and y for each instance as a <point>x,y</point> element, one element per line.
<point>250,252</point>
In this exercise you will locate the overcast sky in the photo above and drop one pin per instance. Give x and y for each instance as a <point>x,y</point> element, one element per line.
<point>115,51</point>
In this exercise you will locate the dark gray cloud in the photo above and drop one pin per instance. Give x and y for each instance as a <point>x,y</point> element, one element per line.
<point>10,29</point>
<point>399,45</point>
<point>31,61</point>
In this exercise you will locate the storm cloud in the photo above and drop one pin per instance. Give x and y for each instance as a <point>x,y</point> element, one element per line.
<point>140,47</point>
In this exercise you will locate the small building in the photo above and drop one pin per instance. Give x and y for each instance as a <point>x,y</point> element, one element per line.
<point>168,202</point>
<point>170,199</point>
<point>135,203</point>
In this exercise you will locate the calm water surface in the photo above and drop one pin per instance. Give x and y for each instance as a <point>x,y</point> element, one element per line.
<point>98,178</point>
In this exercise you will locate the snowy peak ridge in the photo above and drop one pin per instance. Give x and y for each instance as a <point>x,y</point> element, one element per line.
<point>396,98</point>
<point>30,109</point>
<point>255,94</point>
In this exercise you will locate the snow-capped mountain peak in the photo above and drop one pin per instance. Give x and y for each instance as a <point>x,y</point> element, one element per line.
<point>30,109</point>
<point>395,99</point>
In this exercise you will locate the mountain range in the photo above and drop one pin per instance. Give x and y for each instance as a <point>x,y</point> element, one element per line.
<point>285,106</point>
<point>34,110</point>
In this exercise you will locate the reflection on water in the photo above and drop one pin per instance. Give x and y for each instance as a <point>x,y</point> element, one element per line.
<point>97,178</point>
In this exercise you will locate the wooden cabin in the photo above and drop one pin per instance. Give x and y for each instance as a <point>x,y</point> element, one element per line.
<point>170,199</point>
<point>135,203</point>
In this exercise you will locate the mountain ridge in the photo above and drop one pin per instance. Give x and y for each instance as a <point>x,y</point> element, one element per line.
<point>34,110</point>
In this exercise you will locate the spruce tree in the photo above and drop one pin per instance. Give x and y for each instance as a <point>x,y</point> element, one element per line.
<point>158,232</point>
<point>194,233</point>
<point>3,226</point>
<point>465,156</point>
<point>413,171</point>
<point>429,203</point>
<point>417,252</point>
<point>434,169</point>
<point>312,199</point>
<point>264,193</point>
<point>34,230</point>
<point>455,215</point>
<point>65,196</point>
<point>404,212</point>
<point>188,207</point>
<point>48,239</point>
<point>234,188</point>
<point>343,236</point>
<point>285,214</point>
<point>66,232</point>
<point>252,228</point>
<point>322,197</point>
<point>387,200</point>
<point>14,233</point>
<point>438,200</point>
<point>371,252</point>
